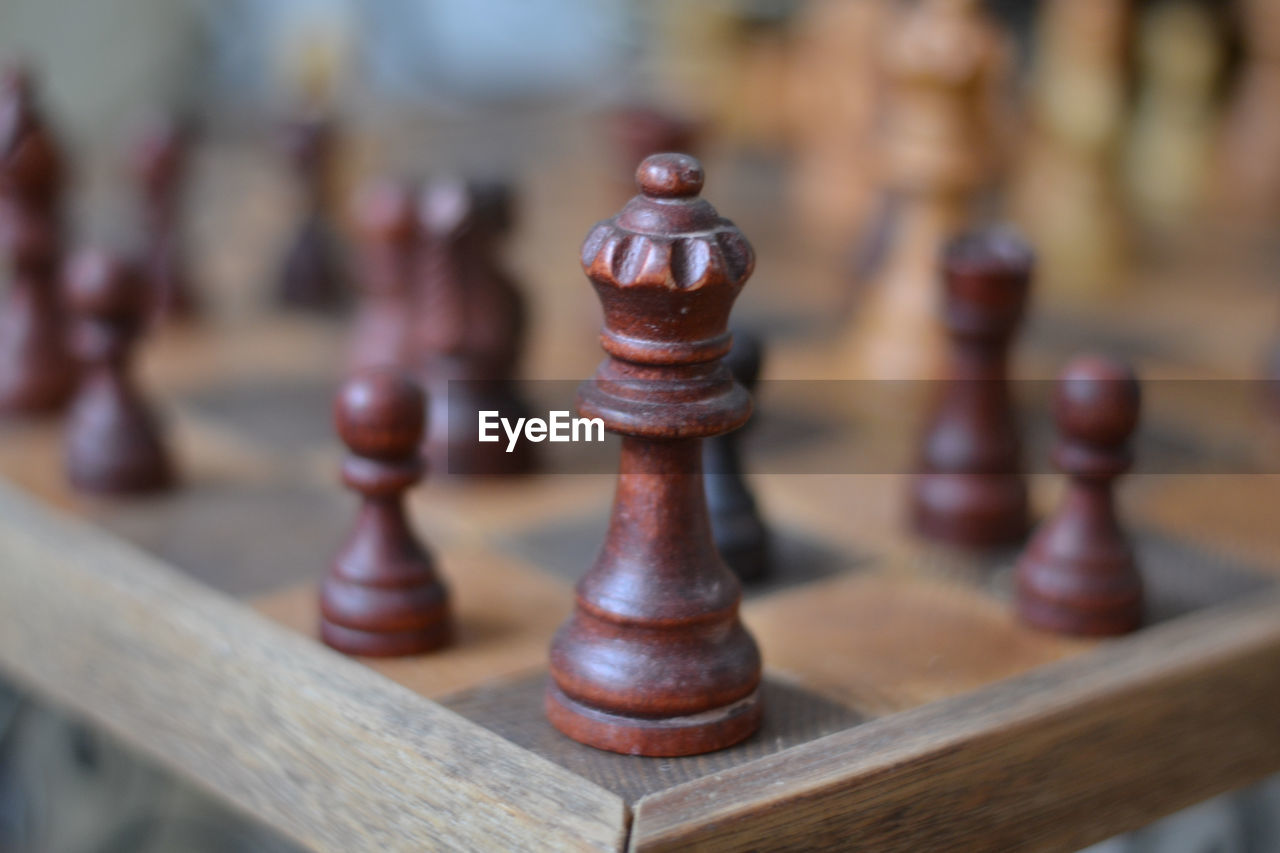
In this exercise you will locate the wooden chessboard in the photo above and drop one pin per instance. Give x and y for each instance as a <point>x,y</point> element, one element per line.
<point>906,707</point>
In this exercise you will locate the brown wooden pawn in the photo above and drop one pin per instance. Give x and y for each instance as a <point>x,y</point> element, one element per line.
<point>386,215</point>
<point>1079,575</point>
<point>159,161</point>
<point>739,532</point>
<point>654,660</point>
<point>113,442</point>
<point>971,490</point>
<point>313,277</point>
<point>37,371</point>
<point>382,597</point>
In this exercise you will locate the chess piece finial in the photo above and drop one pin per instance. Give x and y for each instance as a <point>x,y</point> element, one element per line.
<point>37,372</point>
<point>385,213</point>
<point>114,444</point>
<point>314,276</point>
<point>160,159</point>
<point>471,328</point>
<point>944,61</point>
<point>970,490</point>
<point>654,660</point>
<point>1078,575</point>
<point>382,597</point>
<point>739,532</point>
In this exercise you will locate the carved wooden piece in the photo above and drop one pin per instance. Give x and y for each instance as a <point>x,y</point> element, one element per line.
<point>1078,574</point>
<point>470,327</point>
<point>37,372</point>
<point>382,596</point>
<point>386,215</point>
<point>113,440</point>
<point>738,530</point>
<point>160,160</point>
<point>313,276</point>
<point>971,490</point>
<point>654,660</point>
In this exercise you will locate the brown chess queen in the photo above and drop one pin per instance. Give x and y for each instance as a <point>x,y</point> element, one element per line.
<point>654,660</point>
<point>1078,574</point>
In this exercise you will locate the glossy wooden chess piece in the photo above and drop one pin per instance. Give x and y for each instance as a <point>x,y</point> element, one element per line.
<point>314,275</point>
<point>382,597</point>
<point>736,526</point>
<point>654,660</point>
<point>113,441</point>
<point>386,214</point>
<point>1078,575</point>
<point>469,328</point>
<point>944,60</point>
<point>160,160</point>
<point>971,490</point>
<point>37,372</point>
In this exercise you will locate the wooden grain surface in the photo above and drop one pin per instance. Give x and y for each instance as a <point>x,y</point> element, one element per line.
<point>323,749</point>
<point>1058,758</point>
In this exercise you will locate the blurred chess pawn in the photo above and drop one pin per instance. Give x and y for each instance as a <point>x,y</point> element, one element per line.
<point>1065,195</point>
<point>113,441</point>
<point>945,63</point>
<point>386,216</point>
<point>1247,175</point>
<point>1171,140</point>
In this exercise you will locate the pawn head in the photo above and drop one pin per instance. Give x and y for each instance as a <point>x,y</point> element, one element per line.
<point>104,285</point>
<point>1098,400</point>
<point>385,210</point>
<point>380,413</point>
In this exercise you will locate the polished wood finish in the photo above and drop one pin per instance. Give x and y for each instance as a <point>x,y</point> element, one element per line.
<point>383,597</point>
<point>654,660</point>
<point>314,275</point>
<point>740,534</point>
<point>971,490</point>
<point>160,160</point>
<point>114,443</point>
<point>37,372</point>
<point>1079,574</point>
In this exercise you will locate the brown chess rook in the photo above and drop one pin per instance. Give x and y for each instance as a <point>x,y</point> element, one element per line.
<point>37,371</point>
<point>313,277</point>
<point>382,597</point>
<point>971,490</point>
<point>1079,575</point>
<point>160,159</point>
<point>387,217</point>
<point>113,442</point>
<point>654,660</point>
<point>469,328</point>
<point>739,532</point>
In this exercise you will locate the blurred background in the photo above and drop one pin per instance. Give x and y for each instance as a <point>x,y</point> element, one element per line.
<point>1137,143</point>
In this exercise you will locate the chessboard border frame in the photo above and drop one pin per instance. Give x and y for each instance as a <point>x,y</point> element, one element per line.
<point>338,757</point>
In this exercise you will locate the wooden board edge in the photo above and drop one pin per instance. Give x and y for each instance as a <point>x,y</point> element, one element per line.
<point>1059,758</point>
<point>315,745</point>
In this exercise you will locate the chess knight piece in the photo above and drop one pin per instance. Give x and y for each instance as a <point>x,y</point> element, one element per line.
<point>654,660</point>
<point>37,372</point>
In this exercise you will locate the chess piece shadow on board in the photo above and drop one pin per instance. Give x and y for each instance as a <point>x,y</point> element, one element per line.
<point>1078,574</point>
<point>160,159</point>
<point>469,327</point>
<point>37,371</point>
<point>739,532</point>
<point>383,596</point>
<point>114,444</point>
<point>314,274</point>
<point>654,659</point>
<point>970,489</point>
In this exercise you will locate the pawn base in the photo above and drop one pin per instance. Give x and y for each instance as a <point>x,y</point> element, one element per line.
<point>971,510</point>
<point>1067,618</point>
<point>655,736</point>
<point>384,644</point>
